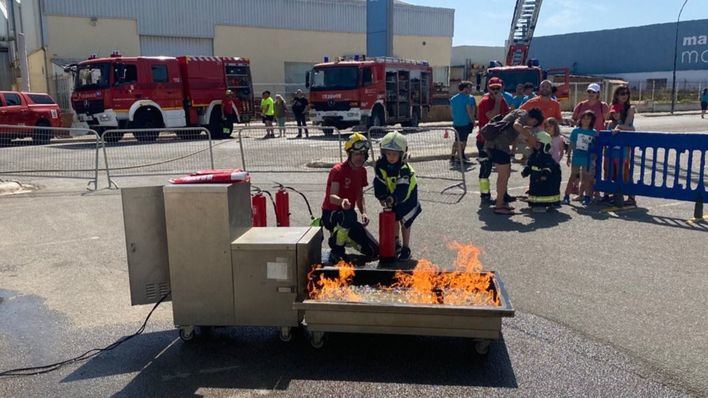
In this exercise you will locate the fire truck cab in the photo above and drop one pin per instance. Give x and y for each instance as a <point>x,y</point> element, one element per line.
<point>155,92</point>
<point>373,92</point>
<point>531,73</point>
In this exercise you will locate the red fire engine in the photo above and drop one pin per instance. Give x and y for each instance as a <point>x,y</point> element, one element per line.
<point>155,92</point>
<point>370,92</point>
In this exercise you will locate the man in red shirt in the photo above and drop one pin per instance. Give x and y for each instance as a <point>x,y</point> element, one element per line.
<point>491,105</point>
<point>344,192</point>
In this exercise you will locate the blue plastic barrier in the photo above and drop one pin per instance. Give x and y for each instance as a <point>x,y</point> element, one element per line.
<point>671,165</point>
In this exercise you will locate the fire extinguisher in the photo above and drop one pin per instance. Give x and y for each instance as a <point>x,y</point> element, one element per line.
<point>258,207</point>
<point>282,207</point>
<point>387,234</point>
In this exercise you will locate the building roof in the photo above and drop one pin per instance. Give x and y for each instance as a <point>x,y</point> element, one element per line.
<point>181,18</point>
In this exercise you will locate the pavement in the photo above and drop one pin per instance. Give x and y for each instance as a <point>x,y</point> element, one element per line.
<point>607,304</point>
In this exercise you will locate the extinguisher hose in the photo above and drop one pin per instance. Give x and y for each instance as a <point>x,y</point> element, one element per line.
<point>307,202</point>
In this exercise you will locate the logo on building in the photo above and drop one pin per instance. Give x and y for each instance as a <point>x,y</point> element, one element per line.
<point>695,56</point>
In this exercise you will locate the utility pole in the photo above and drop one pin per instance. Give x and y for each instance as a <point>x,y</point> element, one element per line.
<point>673,80</point>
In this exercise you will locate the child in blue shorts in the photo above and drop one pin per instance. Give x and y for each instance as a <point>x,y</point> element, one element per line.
<point>396,187</point>
<point>583,162</point>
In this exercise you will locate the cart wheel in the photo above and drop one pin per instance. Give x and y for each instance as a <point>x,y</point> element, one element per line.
<point>186,333</point>
<point>317,339</point>
<point>482,347</point>
<point>285,334</point>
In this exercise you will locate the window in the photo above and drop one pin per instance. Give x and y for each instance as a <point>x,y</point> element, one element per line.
<point>41,99</point>
<point>366,77</point>
<point>126,73</point>
<point>159,74</point>
<point>12,99</point>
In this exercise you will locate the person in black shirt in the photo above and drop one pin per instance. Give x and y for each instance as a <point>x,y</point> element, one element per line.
<point>300,108</point>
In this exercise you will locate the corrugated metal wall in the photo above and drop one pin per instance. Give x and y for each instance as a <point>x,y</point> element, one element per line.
<point>175,46</point>
<point>196,18</point>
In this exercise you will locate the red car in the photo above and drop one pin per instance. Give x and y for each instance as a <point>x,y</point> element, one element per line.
<point>28,109</point>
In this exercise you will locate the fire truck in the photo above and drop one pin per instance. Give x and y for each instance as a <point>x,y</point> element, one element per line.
<point>156,92</point>
<point>369,92</point>
<point>519,69</point>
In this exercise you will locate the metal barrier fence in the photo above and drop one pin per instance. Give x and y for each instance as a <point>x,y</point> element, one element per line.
<point>440,179</point>
<point>659,165</point>
<point>142,152</point>
<point>39,151</point>
<point>280,149</point>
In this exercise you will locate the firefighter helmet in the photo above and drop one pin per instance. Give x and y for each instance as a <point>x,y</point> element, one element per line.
<point>394,141</point>
<point>545,140</point>
<point>357,142</point>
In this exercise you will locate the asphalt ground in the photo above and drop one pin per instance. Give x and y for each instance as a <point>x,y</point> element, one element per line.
<point>607,304</point>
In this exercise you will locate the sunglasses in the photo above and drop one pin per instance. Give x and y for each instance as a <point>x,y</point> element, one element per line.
<point>592,92</point>
<point>623,93</point>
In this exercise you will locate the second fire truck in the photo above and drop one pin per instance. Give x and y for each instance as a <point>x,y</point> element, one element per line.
<point>156,92</point>
<point>370,92</point>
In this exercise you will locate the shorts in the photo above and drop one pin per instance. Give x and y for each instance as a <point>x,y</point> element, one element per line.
<point>704,105</point>
<point>268,118</point>
<point>463,132</point>
<point>499,157</point>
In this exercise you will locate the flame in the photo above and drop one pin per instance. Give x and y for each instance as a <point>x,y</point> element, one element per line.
<point>466,285</point>
<point>334,289</point>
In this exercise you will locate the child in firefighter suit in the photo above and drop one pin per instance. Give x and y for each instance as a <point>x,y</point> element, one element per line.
<point>396,187</point>
<point>545,173</point>
<point>344,194</point>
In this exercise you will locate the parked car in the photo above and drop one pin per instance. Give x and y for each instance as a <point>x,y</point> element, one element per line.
<point>31,110</point>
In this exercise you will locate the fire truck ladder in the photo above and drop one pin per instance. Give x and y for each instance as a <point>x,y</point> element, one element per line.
<point>522,27</point>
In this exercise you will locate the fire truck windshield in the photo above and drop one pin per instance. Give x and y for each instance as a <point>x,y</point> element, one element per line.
<point>92,76</point>
<point>335,78</point>
<point>513,77</point>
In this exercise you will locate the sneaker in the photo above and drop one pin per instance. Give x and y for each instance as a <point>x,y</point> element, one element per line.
<point>509,199</point>
<point>298,136</point>
<point>399,246</point>
<point>586,201</point>
<point>467,160</point>
<point>405,253</point>
<point>606,199</point>
<point>566,200</point>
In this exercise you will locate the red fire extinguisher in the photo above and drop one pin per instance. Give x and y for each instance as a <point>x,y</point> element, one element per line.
<point>258,207</point>
<point>387,234</point>
<point>282,207</point>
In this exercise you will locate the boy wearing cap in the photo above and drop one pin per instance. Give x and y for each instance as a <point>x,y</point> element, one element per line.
<point>491,105</point>
<point>593,103</point>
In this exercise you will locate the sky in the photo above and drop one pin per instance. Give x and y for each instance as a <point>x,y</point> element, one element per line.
<point>487,22</point>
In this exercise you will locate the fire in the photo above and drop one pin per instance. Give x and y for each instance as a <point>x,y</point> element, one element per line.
<point>334,289</point>
<point>466,285</point>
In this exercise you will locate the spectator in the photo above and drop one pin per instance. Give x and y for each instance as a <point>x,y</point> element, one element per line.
<point>548,106</point>
<point>518,122</point>
<point>518,99</point>
<point>593,103</point>
<point>528,92</point>
<point>268,113</point>
<point>228,112</point>
<point>704,102</point>
<point>280,112</point>
<point>491,105</point>
<point>621,119</point>
<point>552,127</point>
<point>463,107</point>
<point>582,162</point>
<point>300,108</point>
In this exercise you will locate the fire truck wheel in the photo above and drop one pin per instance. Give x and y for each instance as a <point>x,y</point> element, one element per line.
<point>327,131</point>
<point>42,136</point>
<point>113,137</point>
<point>145,120</point>
<point>481,347</point>
<point>216,125</point>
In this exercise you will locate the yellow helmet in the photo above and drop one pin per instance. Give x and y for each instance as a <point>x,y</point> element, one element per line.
<point>357,142</point>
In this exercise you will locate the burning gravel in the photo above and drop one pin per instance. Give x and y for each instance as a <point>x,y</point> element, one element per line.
<point>466,285</point>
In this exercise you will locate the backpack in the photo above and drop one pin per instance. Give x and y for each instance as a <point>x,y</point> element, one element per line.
<point>491,130</point>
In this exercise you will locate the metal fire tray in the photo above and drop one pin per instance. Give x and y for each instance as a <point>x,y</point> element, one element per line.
<point>479,322</point>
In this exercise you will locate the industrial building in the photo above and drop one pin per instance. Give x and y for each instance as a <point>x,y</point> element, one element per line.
<point>642,54</point>
<point>282,38</point>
